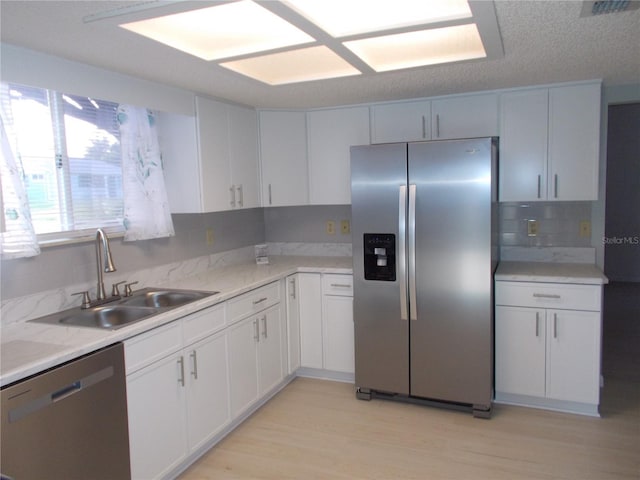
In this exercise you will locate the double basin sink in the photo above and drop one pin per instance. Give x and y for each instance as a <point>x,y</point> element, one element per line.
<point>142,304</point>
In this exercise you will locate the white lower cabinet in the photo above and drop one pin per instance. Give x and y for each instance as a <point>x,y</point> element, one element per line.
<point>548,357</point>
<point>255,355</point>
<point>325,308</point>
<point>337,323</point>
<point>293,323</point>
<point>177,391</point>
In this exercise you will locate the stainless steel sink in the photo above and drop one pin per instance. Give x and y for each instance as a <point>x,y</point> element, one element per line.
<point>110,317</point>
<point>141,305</point>
<point>164,298</point>
<point>107,316</point>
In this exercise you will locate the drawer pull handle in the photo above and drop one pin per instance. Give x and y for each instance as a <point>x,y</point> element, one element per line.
<point>545,295</point>
<point>341,285</point>
<point>263,299</point>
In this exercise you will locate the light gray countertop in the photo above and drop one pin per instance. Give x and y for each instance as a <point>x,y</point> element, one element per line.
<point>580,273</point>
<point>29,348</point>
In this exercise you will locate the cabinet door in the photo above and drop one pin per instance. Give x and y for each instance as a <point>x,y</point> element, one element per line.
<point>157,418</point>
<point>338,341</point>
<point>179,146</point>
<point>310,298</point>
<point>243,156</point>
<point>574,142</point>
<point>243,371</point>
<point>293,324</point>
<point>401,122</point>
<point>213,142</point>
<point>520,350</point>
<point>573,363</point>
<point>465,117</point>
<point>331,133</point>
<point>523,145</point>
<point>283,157</point>
<point>208,389</point>
<point>269,350</point>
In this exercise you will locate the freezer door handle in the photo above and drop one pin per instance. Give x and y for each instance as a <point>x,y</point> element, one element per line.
<point>413,309</point>
<point>402,254</point>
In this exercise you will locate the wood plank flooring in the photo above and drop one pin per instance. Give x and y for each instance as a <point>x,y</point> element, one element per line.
<point>317,429</point>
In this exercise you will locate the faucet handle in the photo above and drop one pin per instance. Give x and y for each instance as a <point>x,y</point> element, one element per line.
<point>86,299</point>
<point>127,289</point>
<point>115,292</point>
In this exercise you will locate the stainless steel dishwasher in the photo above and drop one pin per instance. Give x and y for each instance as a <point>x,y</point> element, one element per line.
<point>69,422</point>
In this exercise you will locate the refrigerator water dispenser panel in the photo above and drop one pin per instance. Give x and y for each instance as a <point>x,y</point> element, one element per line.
<point>380,257</point>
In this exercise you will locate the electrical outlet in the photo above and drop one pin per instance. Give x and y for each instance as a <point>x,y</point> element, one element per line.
<point>532,228</point>
<point>209,236</point>
<point>345,227</point>
<point>331,227</point>
<point>585,228</point>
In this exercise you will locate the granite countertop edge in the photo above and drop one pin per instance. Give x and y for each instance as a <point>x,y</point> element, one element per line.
<point>552,272</point>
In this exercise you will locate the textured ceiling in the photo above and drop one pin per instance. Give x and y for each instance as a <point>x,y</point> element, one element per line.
<point>544,42</point>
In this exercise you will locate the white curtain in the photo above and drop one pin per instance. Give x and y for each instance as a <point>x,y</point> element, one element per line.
<point>17,236</point>
<point>146,208</point>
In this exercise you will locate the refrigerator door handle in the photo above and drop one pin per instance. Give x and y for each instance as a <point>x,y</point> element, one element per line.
<point>402,254</point>
<point>411,219</point>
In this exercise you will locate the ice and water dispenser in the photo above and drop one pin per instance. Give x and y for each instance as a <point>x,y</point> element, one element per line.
<point>380,257</point>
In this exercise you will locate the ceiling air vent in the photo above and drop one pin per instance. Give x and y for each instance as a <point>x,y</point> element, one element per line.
<point>591,8</point>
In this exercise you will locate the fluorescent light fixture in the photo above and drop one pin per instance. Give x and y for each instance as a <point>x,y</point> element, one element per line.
<point>302,65</point>
<point>419,48</point>
<point>222,31</point>
<point>341,18</point>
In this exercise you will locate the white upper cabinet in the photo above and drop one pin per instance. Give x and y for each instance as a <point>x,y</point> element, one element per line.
<point>243,156</point>
<point>401,122</point>
<point>465,117</point>
<point>550,143</point>
<point>574,142</point>
<point>330,135</point>
<point>283,157</point>
<point>210,161</point>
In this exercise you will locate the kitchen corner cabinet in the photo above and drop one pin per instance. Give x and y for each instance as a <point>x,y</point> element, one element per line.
<point>330,134</point>
<point>210,161</point>
<point>177,391</point>
<point>550,143</point>
<point>547,345</point>
<point>283,158</point>
<point>466,116</point>
<point>310,312</point>
<point>255,346</point>
<point>293,323</point>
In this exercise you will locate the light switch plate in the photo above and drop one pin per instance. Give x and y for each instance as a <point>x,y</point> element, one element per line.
<point>331,227</point>
<point>532,228</point>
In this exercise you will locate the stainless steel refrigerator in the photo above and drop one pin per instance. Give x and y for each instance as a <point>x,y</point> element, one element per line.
<point>424,230</point>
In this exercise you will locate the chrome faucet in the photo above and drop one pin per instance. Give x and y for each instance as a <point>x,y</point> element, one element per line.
<point>103,240</point>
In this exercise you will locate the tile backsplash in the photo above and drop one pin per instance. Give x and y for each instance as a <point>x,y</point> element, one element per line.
<point>558,224</point>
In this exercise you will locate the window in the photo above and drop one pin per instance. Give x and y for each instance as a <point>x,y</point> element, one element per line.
<point>69,147</point>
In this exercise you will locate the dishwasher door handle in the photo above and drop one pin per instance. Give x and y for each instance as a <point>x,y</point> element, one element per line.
<point>18,413</point>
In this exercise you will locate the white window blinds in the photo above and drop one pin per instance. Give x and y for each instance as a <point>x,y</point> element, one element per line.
<point>69,148</point>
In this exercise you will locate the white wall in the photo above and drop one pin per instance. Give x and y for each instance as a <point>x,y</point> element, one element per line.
<point>36,69</point>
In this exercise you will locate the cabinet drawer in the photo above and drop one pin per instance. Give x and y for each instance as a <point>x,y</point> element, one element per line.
<point>335,284</point>
<point>151,346</point>
<point>253,301</point>
<point>549,295</point>
<point>205,322</point>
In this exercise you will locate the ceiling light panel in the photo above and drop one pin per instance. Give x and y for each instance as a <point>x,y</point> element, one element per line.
<point>222,31</point>
<point>302,65</point>
<point>340,18</point>
<point>415,49</point>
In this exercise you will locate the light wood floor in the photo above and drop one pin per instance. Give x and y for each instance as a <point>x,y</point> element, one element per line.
<point>317,429</point>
